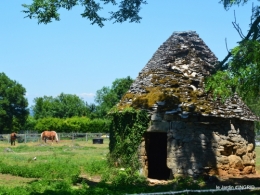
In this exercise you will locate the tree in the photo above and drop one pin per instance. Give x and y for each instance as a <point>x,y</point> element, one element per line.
<point>46,11</point>
<point>91,110</point>
<point>228,3</point>
<point>30,123</point>
<point>43,107</point>
<point>120,86</point>
<point>63,106</point>
<point>67,106</point>
<point>13,105</point>
<point>254,105</point>
<point>239,70</point>
<point>108,97</point>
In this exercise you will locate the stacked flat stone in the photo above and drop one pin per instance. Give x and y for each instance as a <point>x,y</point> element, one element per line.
<point>179,68</point>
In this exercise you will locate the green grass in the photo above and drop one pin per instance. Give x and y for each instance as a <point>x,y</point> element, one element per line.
<point>257,150</point>
<point>80,167</point>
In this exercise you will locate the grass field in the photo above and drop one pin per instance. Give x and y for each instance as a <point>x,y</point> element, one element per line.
<point>70,160</point>
<point>77,167</point>
<point>257,149</point>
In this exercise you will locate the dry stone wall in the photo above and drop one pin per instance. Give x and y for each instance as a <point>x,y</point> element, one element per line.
<point>220,147</point>
<point>205,145</point>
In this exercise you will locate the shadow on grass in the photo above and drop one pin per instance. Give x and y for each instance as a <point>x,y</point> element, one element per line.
<point>88,187</point>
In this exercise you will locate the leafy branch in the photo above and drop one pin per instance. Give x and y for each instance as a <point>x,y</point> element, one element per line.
<point>239,70</point>
<point>253,33</point>
<point>47,10</point>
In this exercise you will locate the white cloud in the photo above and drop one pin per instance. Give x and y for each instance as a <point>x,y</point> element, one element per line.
<point>86,95</point>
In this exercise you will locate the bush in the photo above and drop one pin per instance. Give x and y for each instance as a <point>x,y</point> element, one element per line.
<point>98,126</point>
<point>49,124</point>
<point>126,131</point>
<point>74,124</point>
<point>127,177</point>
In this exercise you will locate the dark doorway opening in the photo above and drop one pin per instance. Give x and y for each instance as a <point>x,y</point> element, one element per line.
<point>156,147</point>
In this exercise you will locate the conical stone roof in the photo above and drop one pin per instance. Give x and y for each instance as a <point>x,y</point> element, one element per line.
<point>173,82</point>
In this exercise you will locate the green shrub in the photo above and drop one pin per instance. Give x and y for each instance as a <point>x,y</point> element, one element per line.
<point>126,131</point>
<point>74,124</point>
<point>49,124</point>
<point>187,183</point>
<point>97,126</point>
<point>126,177</point>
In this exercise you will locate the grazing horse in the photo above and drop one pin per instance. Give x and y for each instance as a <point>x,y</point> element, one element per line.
<point>51,135</point>
<point>13,137</point>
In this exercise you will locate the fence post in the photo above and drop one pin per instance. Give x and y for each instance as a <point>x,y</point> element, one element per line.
<point>25,138</point>
<point>86,137</point>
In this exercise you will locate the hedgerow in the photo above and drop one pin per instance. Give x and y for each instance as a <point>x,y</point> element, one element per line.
<point>74,124</point>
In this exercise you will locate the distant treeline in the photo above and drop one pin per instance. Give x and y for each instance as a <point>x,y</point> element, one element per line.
<point>63,113</point>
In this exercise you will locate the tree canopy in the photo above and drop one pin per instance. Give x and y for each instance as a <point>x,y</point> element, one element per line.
<point>62,106</point>
<point>68,105</point>
<point>228,3</point>
<point>13,105</point>
<point>239,70</point>
<point>46,11</point>
<point>108,97</point>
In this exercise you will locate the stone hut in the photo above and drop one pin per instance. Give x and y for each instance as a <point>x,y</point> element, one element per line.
<point>190,132</point>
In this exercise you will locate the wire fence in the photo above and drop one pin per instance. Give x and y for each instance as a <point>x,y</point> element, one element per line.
<point>226,189</point>
<point>36,137</point>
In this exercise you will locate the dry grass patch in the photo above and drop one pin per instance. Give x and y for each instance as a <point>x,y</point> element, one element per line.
<point>14,181</point>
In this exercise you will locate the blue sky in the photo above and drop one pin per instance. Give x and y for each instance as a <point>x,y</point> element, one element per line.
<point>74,57</point>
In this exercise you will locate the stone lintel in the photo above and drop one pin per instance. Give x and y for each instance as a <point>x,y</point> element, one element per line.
<point>159,126</point>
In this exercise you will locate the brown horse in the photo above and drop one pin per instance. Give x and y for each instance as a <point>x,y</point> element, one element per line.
<point>51,135</point>
<point>13,137</point>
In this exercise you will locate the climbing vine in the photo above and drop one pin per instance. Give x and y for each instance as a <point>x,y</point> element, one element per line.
<point>126,131</point>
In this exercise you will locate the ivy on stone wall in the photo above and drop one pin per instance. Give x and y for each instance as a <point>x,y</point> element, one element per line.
<point>126,131</point>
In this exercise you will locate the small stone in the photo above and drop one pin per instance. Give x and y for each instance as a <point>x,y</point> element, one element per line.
<point>247,170</point>
<point>235,162</point>
<point>250,147</point>
<point>190,172</point>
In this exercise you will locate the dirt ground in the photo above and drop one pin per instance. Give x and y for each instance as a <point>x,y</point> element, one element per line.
<point>251,179</point>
